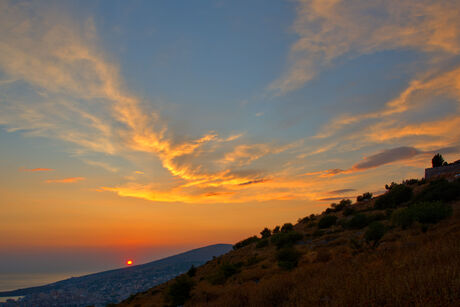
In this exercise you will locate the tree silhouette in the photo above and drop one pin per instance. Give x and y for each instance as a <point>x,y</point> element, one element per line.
<point>437,160</point>
<point>266,233</point>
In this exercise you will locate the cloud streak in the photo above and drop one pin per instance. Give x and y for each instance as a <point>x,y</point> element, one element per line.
<point>79,97</point>
<point>65,180</point>
<point>38,169</point>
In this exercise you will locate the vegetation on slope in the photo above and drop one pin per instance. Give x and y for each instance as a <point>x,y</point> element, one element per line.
<point>398,249</point>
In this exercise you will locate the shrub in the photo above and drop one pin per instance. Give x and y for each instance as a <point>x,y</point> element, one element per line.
<point>288,258</point>
<point>358,221</point>
<point>440,190</point>
<point>327,221</point>
<point>179,291</point>
<point>276,229</point>
<point>423,212</point>
<point>303,220</point>
<point>365,196</point>
<point>318,233</point>
<point>374,233</point>
<point>402,217</point>
<point>245,242</point>
<point>341,205</point>
<point>376,217</point>
<point>262,243</point>
<point>395,196</point>
<point>224,272</point>
<point>287,227</point>
<point>348,211</point>
<point>265,233</point>
<point>192,271</point>
<point>411,181</point>
<point>323,256</point>
<point>431,212</point>
<point>283,239</point>
<point>253,260</point>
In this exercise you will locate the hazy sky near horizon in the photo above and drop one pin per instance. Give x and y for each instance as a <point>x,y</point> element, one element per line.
<point>172,124</point>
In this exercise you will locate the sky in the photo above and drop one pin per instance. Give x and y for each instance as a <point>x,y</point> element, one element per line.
<point>140,129</point>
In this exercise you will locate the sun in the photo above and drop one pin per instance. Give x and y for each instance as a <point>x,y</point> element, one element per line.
<point>129,262</point>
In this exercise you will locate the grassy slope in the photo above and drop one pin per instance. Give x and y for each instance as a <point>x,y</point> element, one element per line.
<point>408,268</point>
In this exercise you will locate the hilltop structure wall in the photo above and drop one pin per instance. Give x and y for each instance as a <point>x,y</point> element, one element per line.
<point>448,170</point>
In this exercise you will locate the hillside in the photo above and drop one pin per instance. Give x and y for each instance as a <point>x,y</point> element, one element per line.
<point>398,249</point>
<point>111,286</point>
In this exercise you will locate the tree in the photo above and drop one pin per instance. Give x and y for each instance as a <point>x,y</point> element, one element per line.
<point>265,233</point>
<point>374,233</point>
<point>287,227</point>
<point>437,160</point>
<point>179,290</point>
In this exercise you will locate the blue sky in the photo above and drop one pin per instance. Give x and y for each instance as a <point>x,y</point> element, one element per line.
<point>117,115</point>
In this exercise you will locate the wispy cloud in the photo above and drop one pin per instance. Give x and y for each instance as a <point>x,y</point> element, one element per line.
<point>38,169</point>
<point>65,180</point>
<point>79,97</point>
<point>75,93</point>
<point>341,191</point>
<point>329,30</point>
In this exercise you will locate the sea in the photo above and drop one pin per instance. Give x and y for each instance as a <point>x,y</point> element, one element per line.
<point>10,282</point>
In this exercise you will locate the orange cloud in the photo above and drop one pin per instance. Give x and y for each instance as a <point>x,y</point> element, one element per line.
<point>65,180</point>
<point>38,169</point>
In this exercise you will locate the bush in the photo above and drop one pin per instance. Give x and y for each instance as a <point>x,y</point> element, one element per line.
<point>340,206</point>
<point>288,258</point>
<point>411,181</point>
<point>423,212</point>
<point>374,233</point>
<point>287,227</point>
<point>365,196</point>
<point>224,272</point>
<point>323,256</point>
<point>396,195</point>
<point>179,291</point>
<point>262,243</point>
<point>253,260</point>
<point>276,229</point>
<point>376,217</point>
<point>318,233</point>
<point>431,212</point>
<point>245,242</point>
<point>348,211</point>
<point>402,217</point>
<point>283,239</point>
<point>265,233</point>
<point>358,221</point>
<point>303,220</point>
<point>192,271</point>
<point>440,190</point>
<point>327,221</point>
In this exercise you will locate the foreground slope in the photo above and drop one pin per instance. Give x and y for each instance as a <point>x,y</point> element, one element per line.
<point>400,249</point>
<point>115,285</point>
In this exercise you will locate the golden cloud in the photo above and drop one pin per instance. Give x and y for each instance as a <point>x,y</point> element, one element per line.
<point>38,169</point>
<point>65,180</point>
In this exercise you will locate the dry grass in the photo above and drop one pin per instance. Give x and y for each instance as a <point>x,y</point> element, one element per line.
<point>409,268</point>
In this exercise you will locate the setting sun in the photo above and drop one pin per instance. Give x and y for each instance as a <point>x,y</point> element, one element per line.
<point>129,262</point>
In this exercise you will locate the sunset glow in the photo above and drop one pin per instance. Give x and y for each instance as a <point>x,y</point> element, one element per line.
<point>140,126</point>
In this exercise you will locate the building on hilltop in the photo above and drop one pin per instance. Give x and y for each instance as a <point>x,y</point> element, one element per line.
<point>449,170</point>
